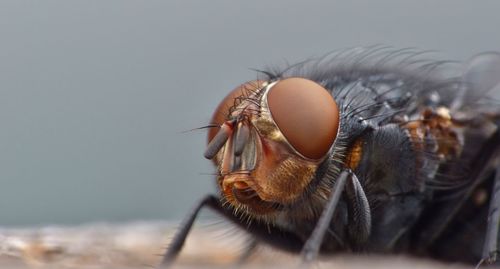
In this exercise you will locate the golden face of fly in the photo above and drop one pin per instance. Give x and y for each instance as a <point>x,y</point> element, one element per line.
<point>272,138</point>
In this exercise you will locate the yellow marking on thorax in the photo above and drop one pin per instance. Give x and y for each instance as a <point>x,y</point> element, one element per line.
<point>354,154</point>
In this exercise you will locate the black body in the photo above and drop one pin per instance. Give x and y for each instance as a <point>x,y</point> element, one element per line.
<point>405,194</point>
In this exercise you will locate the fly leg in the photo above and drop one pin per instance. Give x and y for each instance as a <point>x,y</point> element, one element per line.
<point>444,214</point>
<point>359,212</point>
<point>260,232</point>
<point>490,249</point>
<point>312,246</point>
<point>180,236</point>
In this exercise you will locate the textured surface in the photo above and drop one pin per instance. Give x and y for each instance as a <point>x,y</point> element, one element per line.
<point>135,245</point>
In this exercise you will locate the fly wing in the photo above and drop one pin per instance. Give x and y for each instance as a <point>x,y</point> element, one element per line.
<point>476,112</point>
<point>481,78</point>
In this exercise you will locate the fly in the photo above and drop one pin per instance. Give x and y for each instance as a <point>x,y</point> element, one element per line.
<point>365,150</point>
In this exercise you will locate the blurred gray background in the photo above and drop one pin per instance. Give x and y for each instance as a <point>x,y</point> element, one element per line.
<point>95,95</point>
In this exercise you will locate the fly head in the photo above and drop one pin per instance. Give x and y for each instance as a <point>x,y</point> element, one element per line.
<point>273,136</point>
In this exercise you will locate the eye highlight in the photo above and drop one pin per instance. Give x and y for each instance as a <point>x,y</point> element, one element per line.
<point>306,114</point>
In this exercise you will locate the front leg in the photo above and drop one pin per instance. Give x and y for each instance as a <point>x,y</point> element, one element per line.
<point>313,244</point>
<point>261,232</point>
<point>490,249</point>
<point>180,236</point>
<point>359,212</point>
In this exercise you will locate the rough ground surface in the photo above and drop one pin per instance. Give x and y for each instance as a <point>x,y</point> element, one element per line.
<point>138,245</point>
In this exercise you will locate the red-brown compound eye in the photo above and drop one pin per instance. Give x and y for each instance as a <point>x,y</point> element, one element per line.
<point>306,114</point>
<point>222,111</point>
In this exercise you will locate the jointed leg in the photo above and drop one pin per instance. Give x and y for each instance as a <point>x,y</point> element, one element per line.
<point>359,212</point>
<point>443,215</point>
<point>260,231</point>
<point>312,246</point>
<point>490,249</point>
<point>180,236</point>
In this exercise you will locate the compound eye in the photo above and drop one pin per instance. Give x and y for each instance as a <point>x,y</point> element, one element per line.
<point>222,111</point>
<point>306,114</point>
